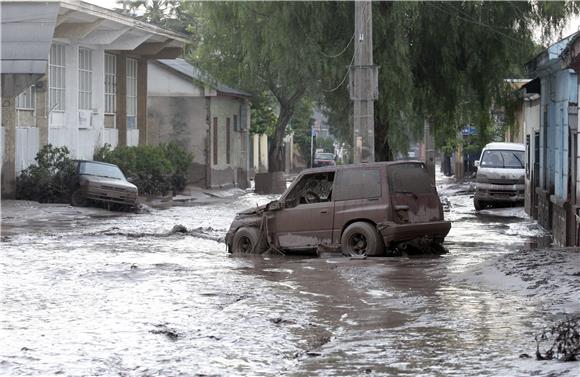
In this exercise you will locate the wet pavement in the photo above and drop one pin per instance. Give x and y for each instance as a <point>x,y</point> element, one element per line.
<point>89,292</point>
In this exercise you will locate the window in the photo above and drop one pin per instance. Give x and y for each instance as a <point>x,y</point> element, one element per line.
<point>85,79</point>
<point>110,84</point>
<point>228,145</point>
<point>56,77</point>
<point>312,188</point>
<point>26,99</point>
<point>358,184</point>
<point>131,93</point>
<point>236,123</point>
<point>409,178</point>
<point>215,141</point>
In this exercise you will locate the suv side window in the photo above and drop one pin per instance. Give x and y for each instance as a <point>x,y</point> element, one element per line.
<point>409,178</point>
<point>357,184</point>
<point>312,188</point>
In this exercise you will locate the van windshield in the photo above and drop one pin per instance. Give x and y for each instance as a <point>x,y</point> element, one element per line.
<point>505,159</point>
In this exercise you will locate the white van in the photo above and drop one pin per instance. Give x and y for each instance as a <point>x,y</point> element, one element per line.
<point>500,175</point>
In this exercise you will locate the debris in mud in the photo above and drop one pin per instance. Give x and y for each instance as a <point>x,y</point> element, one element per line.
<point>279,321</point>
<point>5,239</point>
<point>200,232</point>
<point>445,203</point>
<point>178,229</point>
<point>162,329</point>
<point>563,340</point>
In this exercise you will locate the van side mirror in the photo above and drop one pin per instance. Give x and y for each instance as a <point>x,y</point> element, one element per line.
<point>476,164</point>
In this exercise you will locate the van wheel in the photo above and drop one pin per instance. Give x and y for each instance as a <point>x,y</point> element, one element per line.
<point>478,204</point>
<point>247,241</point>
<point>362,239</point>
<point>78,200</point>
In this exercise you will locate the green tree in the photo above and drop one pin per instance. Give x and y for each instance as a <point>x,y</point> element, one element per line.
<point>445,62</point>
<point>273,47</point>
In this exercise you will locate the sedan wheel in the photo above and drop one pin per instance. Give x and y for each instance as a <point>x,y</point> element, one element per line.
<point>77,199</point>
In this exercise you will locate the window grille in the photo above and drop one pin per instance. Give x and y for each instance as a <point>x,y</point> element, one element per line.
<point>26,100</point>
<point>85,79</point>
<point>110,84</point>
<point>215,141</point>
<point>228,137</point>
<point>56,77</point>
<point>132,93</point>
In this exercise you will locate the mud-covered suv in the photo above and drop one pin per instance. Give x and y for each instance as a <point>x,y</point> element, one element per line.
<point>375,209</point>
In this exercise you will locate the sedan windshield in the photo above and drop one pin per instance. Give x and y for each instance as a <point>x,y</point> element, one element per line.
<point>503,159</point>
<point>101,170</point>
<point>324,156</point>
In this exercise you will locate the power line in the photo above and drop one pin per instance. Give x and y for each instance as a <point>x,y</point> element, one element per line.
<point>479,23</point>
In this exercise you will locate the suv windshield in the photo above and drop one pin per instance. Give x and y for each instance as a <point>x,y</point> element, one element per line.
<point>503,159</point>
<point>100,170</point>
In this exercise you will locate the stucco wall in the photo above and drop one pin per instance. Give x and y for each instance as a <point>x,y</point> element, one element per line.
<point>183,121</point>
<point>224,173</point>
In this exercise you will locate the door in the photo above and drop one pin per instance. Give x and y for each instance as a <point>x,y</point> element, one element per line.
<point>413,194</point>
<point>358,197</point>
<point>307,219</point>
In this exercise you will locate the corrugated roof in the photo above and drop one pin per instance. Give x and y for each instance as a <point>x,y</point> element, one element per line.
<point>183,67</point>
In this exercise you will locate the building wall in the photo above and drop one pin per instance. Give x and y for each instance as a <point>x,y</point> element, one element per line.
<point>226,173</point>
<point>181,120</point>
<point>183,111</point>
<point>260,151</point>
<point>81,131</point>
<point>531,117</point>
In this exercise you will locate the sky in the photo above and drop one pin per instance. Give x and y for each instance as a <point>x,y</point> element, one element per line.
<point>572,26</point>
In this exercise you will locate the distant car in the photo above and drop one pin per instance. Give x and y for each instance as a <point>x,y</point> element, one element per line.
<point>374,209</point>
<point>102,182</point>
<point>500,176</point>
<point>323,159</point>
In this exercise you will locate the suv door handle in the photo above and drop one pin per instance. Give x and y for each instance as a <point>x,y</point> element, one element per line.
<point>324,211</point>
<point>372,199</point>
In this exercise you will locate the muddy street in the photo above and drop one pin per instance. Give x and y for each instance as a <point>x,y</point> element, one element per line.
<point>99,294</point>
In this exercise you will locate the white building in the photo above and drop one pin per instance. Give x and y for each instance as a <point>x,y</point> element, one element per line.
<point>73,74</point>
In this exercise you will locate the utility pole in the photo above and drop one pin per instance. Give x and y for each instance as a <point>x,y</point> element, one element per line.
<point>363,84</point>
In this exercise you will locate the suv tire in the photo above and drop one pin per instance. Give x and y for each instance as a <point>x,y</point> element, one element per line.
<point>362,239</point>
<point>248,241</point>
<point>478,204</point>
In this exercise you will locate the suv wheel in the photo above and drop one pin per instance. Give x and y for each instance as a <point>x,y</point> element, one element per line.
<point>247,241</point>
<point>362,239</point>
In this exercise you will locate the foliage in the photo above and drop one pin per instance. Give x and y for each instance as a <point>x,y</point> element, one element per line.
<point>263,119</point>
<point>154,169</point>
<point>301,127</point>
<point>325,143</point>
<point>50,179</point>
<point>441,62</point>
<point>181,161</point>
<point>272,47</point>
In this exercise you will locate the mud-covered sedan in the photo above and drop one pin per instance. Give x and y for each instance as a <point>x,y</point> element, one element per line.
<point>102,182</point>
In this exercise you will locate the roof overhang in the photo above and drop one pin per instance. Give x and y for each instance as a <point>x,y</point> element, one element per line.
<point>571,54</point>
<point>30,27</point>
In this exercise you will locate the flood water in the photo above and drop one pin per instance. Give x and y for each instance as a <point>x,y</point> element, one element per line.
<point>120,296</point>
